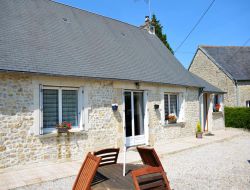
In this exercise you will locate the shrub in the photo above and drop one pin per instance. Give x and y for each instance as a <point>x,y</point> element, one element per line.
<point>238,117</point>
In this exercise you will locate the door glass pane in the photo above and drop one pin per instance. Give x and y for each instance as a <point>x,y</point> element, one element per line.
<point>138,113</point>
<point>70,106</point>
<point>128,114</point>
<point>166,105</point>
<point>50,108</point>
<point>173,104</point>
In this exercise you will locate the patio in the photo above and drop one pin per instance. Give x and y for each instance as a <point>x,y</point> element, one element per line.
<point>51,175</point>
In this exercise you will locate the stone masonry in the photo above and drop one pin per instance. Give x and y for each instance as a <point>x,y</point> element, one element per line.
<point>244,93</point>
<point>20,145</point>
<point>207,70</point>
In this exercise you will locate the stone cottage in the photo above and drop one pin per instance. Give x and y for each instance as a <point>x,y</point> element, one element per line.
<point>59,63</point>
<point>227,68</point>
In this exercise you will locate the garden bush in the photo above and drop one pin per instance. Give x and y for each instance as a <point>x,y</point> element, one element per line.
<point>238,117</point>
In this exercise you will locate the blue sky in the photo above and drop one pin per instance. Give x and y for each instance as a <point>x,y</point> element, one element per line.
<point>226,23</point>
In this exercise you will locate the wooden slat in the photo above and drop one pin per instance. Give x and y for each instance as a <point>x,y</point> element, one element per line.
<point>151,178</point>
<point>152,184</point>
<point>107,155</point>
<point>105,151</point>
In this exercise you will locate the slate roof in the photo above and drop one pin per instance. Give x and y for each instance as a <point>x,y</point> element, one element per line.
<point>233,60</point>
<point>46,37</point>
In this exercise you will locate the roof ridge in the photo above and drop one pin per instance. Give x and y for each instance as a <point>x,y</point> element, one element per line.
<point>53,1</point>
<point>215,46</point>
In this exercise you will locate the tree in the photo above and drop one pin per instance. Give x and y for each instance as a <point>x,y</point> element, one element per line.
<point>158,32</point>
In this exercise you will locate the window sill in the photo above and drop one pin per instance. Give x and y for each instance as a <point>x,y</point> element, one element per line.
<point>55,134</point>
<point>178,124</point>
<point>217,112</point>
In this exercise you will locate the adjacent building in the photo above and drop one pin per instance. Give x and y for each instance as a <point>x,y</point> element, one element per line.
<point>227,68</point>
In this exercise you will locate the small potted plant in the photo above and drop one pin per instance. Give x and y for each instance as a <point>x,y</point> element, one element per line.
<point>171,118</point>
<point>217,107</point>
<point>198,131</point>
<point>64,127</point>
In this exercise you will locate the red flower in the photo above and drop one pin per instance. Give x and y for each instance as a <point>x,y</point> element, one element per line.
<point>217,107</point>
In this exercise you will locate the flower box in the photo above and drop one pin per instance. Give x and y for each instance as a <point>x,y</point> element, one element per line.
<point>170,121</point>
<point>64,127</point>
<point>62,130</point>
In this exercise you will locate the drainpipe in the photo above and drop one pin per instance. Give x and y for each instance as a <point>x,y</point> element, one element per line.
<point>237,93</point>
<point>200,114</point>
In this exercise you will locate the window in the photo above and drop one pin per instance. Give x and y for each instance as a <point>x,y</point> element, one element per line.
<point>170,105</point>
<point>248,103</point>
<point>59,104</point>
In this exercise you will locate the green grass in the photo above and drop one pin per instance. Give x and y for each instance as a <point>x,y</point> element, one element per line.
<point>237,117</point>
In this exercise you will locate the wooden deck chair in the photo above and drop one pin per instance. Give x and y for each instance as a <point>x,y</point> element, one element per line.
<point>149,157</point>
<point>109,156</point>
<point>87,172</point>
<point>150,178</point>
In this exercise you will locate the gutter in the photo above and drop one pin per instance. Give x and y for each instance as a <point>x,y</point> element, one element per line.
<point>95,78</point>
<point>237,93</point>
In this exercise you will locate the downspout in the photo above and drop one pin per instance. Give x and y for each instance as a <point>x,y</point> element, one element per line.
<point>237,93</point>
<point>200,95</point>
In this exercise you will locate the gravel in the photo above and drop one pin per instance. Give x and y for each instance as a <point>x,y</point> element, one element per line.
<point>222,165</point>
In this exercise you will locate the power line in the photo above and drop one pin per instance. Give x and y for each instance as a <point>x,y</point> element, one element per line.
<point>185,52</point>
<point>197,23</point>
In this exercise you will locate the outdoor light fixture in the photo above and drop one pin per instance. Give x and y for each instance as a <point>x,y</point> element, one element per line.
<point>114,107</point>
<point>137,84</point>
<point>156,106</point>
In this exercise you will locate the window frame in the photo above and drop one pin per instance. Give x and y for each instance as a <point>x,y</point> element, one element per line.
<point>60,89</point>
<point>177,104</point>
<point>217,99</point>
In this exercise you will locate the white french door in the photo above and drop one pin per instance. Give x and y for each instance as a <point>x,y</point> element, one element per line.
<point>134,117</point>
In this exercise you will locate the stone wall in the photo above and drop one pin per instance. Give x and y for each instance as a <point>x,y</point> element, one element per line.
<point>20,144</point>
<point>163,133</point>
<point>244,93</point>
<point>218,121</point>
<point>206,69</point>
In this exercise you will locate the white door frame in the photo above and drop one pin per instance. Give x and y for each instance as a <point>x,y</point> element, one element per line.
<point>136,139</point>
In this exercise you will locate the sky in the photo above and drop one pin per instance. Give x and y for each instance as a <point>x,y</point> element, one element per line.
<point>227,23</point>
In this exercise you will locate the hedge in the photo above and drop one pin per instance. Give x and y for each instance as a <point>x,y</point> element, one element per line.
<point>238,117</point>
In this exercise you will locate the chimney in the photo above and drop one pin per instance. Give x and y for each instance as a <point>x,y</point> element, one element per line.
<point>148,25</point>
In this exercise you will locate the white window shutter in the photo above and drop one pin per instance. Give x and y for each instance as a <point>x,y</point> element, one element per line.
<point>41,109</point>
<point>81,119</point>
<point>123,118</point>
<point>146,117</point>
<point>86,108</point>
<point>162,109</point>
<point>181,107</point>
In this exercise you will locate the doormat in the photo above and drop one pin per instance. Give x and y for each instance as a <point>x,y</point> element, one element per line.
<point>209,134</point>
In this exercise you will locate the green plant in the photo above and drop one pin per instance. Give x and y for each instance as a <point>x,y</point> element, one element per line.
<point>237,117</point>
<point>198,127</point>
